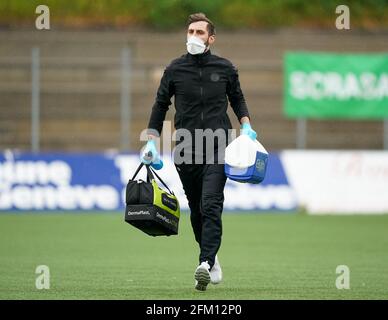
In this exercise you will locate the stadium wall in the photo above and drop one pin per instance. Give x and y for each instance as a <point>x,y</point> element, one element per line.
<point>80,82</point>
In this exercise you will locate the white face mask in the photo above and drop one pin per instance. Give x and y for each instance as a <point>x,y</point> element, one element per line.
<point>195,45</point>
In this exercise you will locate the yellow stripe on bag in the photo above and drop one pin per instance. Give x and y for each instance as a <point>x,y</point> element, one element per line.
<point>158,199</point>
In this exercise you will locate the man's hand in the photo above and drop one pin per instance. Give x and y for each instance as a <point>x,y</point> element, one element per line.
<point>247,129</point>
<point>150,155</point>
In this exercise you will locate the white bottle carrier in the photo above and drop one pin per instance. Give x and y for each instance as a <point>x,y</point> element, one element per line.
<point>246,160</point>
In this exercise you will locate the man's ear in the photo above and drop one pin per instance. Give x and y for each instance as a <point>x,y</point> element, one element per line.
<point>212,39</point>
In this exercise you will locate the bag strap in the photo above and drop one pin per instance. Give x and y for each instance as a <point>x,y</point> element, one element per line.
<point>160,179</point>
<point>137,170</point>
<point>149,174</point>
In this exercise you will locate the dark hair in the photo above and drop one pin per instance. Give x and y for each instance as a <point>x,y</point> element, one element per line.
<point>195,17</point>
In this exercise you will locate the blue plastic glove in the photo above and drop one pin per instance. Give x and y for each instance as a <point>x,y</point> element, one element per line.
<point>247,129</point>
<point>150,155</point>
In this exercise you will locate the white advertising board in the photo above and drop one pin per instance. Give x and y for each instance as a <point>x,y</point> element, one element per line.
<point>329,182</point>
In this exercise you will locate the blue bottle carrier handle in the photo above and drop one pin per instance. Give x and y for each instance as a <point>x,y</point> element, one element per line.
<point>246,160</point>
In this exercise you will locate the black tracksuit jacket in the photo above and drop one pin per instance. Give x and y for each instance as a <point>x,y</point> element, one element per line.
<point>202,85</point>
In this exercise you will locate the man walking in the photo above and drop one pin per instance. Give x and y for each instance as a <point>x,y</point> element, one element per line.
<point>202,83</point>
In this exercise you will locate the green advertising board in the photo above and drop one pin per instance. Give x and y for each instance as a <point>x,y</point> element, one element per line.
<point>320,85</point>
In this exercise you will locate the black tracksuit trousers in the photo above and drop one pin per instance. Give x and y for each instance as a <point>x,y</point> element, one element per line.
<point>204,187</point>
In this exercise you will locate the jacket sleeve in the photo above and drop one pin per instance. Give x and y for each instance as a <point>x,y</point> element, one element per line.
<point>162,103</point>
<point>235,95</point>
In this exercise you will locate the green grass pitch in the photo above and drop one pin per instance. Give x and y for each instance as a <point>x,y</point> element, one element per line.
<point>264,256</point>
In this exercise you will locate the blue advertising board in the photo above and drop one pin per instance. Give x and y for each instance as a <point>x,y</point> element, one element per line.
<point>60,181</point>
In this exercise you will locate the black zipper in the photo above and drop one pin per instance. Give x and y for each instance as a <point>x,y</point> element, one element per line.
<point>138,192</point>
<point>201,90</point>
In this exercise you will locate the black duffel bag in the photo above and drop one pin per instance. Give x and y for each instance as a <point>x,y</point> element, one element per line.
<point>150,208</point>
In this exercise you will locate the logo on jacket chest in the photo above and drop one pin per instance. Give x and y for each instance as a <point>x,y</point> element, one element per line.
<point>209,85</point>
<point>214,76</point>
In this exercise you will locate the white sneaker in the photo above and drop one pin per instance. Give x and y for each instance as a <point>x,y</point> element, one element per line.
<point>202,276</point>
<point>216,272</point>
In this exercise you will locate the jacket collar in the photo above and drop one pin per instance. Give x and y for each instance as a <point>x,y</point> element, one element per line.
<point>199,58</point>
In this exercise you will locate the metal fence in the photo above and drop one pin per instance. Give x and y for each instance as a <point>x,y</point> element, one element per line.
<point>125,99</point>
